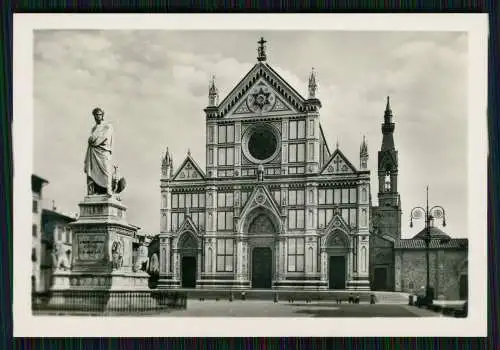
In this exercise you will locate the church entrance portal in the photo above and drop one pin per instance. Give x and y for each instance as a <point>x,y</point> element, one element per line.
<point>188,272</point>
<point>336,276</point>
<point>380,278</point>
<point>262,268</point>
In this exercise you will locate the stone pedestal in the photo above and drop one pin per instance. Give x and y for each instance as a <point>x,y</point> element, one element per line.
<point>102,252</point>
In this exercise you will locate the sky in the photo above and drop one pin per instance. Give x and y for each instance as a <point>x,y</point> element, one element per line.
<point>153,87</point>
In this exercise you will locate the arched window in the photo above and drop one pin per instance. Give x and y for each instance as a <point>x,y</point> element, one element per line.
<point>364,195</point>
<point>387,181</point>
<point>363,217</point>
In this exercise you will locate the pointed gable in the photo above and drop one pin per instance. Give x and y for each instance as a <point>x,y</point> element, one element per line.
<point>338,164</point>
<point>260,197</point>
<point>189,171</point>
<point>188,225</point>
<point>337,222</point>
<point>262,90</point>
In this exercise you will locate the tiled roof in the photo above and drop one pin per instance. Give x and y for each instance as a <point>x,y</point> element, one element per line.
<point>434,232</point>
<point>453,243</point>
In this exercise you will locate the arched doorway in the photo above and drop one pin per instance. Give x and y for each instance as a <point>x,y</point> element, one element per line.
<point>262,242</point>
<point>337,251</point>
<point>188,251</point>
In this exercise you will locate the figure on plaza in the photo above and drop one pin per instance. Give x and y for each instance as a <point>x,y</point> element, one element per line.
<point>98,159</point>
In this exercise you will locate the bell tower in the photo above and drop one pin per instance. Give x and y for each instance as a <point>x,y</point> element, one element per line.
<point>388,196</point>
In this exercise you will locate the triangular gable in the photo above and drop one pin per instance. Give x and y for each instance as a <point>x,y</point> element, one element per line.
<point>285,95</point>
<point>188,225</point>
<point>338,164</point>
<point>260,197</point>
<point>260,98</point>
<point>337,222</point>
<point>189,171</point>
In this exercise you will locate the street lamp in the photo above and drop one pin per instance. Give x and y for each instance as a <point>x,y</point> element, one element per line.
<point>418,213</point>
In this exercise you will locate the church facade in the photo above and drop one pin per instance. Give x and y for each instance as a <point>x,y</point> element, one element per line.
<point>275,207</point>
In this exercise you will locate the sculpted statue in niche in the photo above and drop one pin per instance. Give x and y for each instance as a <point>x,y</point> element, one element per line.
<point>154,265</point>
<point>98,159</point>
<point>116,255</point>
<point>141,262</point>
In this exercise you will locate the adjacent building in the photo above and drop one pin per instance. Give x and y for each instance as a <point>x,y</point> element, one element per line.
<point>56,244</point>
<point>37,184</point>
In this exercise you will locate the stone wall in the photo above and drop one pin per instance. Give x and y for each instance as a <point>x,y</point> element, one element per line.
<point>444,271</point>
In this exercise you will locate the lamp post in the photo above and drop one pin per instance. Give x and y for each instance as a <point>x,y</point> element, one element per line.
<point>428,214</point>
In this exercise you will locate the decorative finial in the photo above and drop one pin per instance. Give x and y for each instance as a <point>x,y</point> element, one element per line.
<point>261,50</point>
<point>312,84</point>
<point>388,110</point>
<point>189,152</point>
<point>213,93</point>
<point>363,154</point>
<point>337,145</point>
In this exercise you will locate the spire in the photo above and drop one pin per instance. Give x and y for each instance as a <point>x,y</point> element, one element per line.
<point>261,50</point>
<point>388,111</point>
<point>312,84</point>
<point>213,93</point>
<point>363,154</point>
<point>167,164</point>
<point>387,128</point>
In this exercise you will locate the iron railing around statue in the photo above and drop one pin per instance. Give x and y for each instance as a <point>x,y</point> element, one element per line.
<point>103,301</point>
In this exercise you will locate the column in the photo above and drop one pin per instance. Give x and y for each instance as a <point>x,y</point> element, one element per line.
<point>324,267</point>
<point>239,259</point>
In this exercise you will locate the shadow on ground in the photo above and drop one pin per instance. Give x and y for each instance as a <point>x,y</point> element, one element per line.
<point>343,310</point>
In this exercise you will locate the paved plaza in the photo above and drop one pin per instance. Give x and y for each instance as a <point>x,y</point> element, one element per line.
<point>265,308</point>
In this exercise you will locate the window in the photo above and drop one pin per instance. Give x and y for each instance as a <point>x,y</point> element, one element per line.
<point>224,199</point>
<point>59,234</point>
<point>225,220</point>
<point>181,200</point>
<point>296,254</point>
<point>345,195</point>
<point>311,127</point>
<point>33,254</point>
<point>296,197</point>
<point>175,201</point>
<point>188,200</point>
<point>210,134</point>
<point>352,218</point>
<point>336,196</point>
<point>226,156</point>
<point>70,236</point>
<point>224,255</point>
<point>177,219</point>
<point>311,151</point>
<point>329,196</point>
<point>210,156</point>
<point>35,206</point>
<point>345,215</point>
<point>296,152</point>
<point>198,219</point>
<point>352,195</point>
<point>364,195</point>
<point>321,196</point>
<point>34,230</point>
<point>387,182</point>
<point>226,133</point>
<point>297,129</point>
<point>277,196</point>
<point>324,217</point>
<point>295,219</point>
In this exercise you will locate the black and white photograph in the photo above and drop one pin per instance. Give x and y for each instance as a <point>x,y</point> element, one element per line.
<point>321,175</point>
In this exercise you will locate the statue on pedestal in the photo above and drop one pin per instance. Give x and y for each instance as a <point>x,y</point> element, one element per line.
<point>116,255</point>
<point>98,159</point>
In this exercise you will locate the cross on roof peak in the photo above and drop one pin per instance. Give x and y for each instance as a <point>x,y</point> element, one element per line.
<point>261,50</point>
